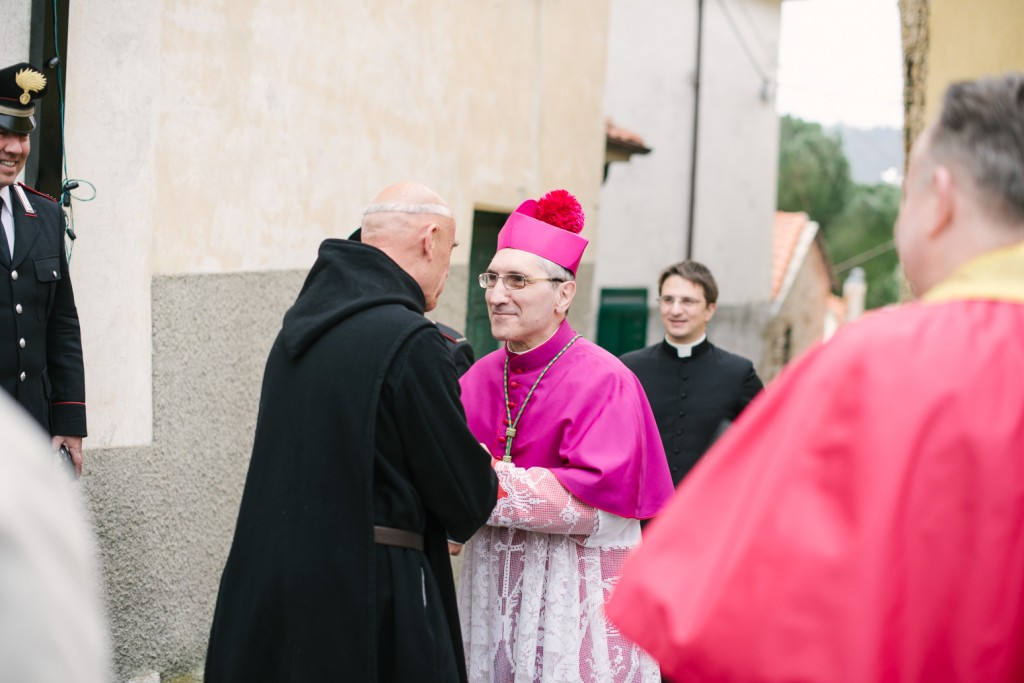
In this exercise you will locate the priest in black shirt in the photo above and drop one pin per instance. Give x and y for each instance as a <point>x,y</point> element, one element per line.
<point>695,388</point>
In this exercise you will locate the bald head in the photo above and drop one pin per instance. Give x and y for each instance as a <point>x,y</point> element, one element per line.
<point>412,224</point>
<point>402,204</point>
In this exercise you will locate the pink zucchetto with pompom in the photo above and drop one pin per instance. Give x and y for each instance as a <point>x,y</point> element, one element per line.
<point>547,228</point>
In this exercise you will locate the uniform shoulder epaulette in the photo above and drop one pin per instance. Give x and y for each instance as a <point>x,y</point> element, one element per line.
<point>449,333</point>
<point>37,192</point>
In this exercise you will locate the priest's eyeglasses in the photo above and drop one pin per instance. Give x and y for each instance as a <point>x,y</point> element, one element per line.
<point>511,280</point>
<point>686,302</point>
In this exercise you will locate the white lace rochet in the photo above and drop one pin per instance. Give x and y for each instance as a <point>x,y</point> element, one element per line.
<point>533,586</point>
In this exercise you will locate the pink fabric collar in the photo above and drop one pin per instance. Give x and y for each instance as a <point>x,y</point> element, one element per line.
<point>588,422</point>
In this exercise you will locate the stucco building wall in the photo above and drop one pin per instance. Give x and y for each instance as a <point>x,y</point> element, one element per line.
<point>234,136</point>
<point>948,40</point>
<point>645,202</point>
<point>968,40</point>
<point>738,152</point>
<point>226,140</point>
<point>14,33</point>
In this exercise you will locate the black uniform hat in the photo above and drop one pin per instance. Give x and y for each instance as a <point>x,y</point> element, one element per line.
<point>20,86</point>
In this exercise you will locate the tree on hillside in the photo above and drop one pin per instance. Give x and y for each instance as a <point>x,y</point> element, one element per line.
<point>814,174</point>
<point>856,220</point>
<point>861,235</point>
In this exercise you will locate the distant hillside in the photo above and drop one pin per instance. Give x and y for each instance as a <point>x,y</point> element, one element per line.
<point>871,152</point>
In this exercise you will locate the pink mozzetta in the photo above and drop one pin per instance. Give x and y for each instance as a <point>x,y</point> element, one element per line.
<point>588,421</point>
<point>524,232</point>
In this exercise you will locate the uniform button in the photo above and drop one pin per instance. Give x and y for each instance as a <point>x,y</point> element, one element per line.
<point>514,385</point>
<point>21,377</point>
<point>678,432</point>
<point>502,439</point>
<point>675,469</point>
<point>21,342</point>
<point>14,275</point>
<point>517,370</point>
<point>685,377</point>
<point>17,309</point>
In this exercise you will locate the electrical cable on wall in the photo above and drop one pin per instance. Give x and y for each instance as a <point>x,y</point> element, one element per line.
<point>864,256</point>
<point>767,87</point>
<point>69,213</point>
<point>766,50</point>
<point>68,184</point>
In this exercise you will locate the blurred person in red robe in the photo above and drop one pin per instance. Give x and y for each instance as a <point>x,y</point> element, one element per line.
<point>864,519</point>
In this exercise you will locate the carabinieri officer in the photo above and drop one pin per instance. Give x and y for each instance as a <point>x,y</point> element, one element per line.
<point>40,338</point>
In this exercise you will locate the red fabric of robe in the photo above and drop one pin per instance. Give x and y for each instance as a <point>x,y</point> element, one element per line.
<point>862,521</point>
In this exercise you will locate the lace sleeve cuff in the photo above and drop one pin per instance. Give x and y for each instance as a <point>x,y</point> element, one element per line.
<point>536,501</point>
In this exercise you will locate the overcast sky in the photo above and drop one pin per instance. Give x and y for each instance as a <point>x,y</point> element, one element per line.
<point>840,61</point>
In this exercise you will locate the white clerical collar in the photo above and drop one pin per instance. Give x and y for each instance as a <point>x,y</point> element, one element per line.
<point>685,350</point>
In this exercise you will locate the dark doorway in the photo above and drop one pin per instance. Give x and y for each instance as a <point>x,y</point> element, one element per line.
<point>486,225</point>
<point>622,320</point>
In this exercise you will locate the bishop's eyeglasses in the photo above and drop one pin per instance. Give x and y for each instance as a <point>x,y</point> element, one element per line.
<point>511,280</point>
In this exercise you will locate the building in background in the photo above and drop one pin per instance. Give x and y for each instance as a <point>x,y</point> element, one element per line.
<point>802,284</point>
<point>946,41</point>
<point>225,141</point>
<point>714,200</point>
<point>804,310</point>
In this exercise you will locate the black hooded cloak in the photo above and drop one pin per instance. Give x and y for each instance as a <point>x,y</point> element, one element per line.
<point>360,424</point>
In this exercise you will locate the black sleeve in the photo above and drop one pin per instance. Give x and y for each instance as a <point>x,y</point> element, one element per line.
<point>750,388</point>
<point>462,356</point>
<point>451,471</point>
<point>64,353</point>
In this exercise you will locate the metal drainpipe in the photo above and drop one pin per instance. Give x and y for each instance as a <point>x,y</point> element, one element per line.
<point>696,129</point>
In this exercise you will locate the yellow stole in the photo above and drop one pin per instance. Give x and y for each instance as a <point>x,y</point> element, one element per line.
<point>997,275</point>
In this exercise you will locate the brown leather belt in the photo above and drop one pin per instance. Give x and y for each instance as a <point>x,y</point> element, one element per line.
<point>385,535</point>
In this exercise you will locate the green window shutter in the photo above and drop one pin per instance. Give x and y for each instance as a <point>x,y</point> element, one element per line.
<point>484,243</point>
<point>622,320</point>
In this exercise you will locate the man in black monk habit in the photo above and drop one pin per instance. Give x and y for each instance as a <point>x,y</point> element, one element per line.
<point>339,567</point>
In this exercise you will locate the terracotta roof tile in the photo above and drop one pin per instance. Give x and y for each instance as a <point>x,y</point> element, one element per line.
<point>786,233</point>
<point>624,136</point>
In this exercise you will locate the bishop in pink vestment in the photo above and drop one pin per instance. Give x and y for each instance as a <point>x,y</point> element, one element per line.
<point>584,465</point>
